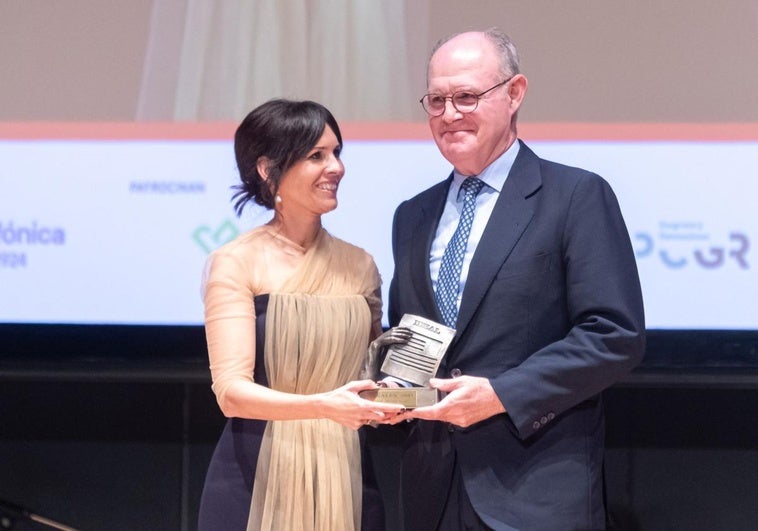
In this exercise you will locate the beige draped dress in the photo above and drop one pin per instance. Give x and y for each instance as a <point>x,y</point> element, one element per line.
<point>323,308</point>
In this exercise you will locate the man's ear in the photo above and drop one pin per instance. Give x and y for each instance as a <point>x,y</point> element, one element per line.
<point>262,165</point>
<point>517,90</point>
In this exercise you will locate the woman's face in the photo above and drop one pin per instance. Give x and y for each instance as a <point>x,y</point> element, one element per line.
<point>310,186</point>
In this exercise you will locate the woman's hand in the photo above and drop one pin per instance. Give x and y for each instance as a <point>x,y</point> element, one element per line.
<point>345,406</point>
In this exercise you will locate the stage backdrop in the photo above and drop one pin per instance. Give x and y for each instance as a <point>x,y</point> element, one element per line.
<point>112,223</point>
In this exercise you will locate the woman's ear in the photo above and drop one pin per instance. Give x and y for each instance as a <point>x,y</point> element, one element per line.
<point>262,165</point>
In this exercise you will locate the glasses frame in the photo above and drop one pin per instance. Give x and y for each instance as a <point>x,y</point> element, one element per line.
<point>452,99</point>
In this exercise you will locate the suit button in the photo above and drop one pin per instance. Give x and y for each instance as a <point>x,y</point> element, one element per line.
<point>455,373</point>
<point>550,416</point>
<point>543,420</point>
<point>536,425</point>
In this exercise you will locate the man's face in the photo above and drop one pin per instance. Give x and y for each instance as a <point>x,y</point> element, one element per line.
<point>473,140</point>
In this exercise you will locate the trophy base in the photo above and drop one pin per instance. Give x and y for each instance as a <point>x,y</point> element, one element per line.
<point>409,397</point>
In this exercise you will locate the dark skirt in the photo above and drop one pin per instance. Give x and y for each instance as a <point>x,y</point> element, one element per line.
<point>228,488</point>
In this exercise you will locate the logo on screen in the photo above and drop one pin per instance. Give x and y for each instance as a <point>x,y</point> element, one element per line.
<point>681,244</point>
<point>209,238</point>
<point>18,237</point>
<point>33,234</point>
<point>166,187</point>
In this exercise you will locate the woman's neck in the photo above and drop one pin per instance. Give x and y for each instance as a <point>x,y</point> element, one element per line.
<point>301,231</point>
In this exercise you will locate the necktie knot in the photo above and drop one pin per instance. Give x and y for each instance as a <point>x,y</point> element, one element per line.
<point>471,187</point>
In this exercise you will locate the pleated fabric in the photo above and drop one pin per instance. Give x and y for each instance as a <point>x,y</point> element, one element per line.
<point>308,474</point>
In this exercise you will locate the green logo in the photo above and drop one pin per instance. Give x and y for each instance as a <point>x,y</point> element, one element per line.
<point>209,238</point>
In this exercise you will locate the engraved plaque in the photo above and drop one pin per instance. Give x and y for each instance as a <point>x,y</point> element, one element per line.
<point>409,397</point>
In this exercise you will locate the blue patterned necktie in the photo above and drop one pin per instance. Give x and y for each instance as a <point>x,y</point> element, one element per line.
<point>452,259</point>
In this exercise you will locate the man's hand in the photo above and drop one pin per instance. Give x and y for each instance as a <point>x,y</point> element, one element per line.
<point>470,399</point>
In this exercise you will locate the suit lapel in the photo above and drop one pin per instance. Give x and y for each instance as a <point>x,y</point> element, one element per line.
<point>510,217</point>
<point>423,234</point>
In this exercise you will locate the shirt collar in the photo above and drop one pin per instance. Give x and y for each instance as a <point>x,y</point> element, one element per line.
<point>493,175</point>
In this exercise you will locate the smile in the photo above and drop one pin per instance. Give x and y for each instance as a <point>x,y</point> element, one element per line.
<point>331,187</point>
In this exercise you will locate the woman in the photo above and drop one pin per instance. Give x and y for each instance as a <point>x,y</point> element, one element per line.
<point>289,312</point>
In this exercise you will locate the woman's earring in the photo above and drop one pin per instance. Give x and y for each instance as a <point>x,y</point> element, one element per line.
<point>278,198</point>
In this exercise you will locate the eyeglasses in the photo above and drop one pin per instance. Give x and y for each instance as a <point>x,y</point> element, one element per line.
<point>463,101</point>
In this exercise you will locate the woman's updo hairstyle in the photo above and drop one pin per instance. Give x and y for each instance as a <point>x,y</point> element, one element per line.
<point>282,131</point>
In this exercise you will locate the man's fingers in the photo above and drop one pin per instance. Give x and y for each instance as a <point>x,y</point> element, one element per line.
<point>446,384</point>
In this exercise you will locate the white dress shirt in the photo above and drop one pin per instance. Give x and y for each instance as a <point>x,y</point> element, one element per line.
<point>494,177</point>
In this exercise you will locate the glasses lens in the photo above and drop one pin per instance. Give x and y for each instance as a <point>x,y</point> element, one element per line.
<point>465,101</point>
<point>434,104</point>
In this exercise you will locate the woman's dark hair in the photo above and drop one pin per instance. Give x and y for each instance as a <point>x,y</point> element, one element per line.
<point>283,131</point>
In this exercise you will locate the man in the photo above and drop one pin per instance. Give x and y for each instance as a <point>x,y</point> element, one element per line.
<point>546,305</point>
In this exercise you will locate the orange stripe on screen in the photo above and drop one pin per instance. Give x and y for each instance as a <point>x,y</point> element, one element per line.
<point>377,131</point>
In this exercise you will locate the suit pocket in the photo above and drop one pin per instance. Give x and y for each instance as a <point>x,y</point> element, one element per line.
<point>528,292</point>
<point>537,266</point>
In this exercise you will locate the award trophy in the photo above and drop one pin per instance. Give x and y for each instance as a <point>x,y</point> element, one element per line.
<point>415,361</point>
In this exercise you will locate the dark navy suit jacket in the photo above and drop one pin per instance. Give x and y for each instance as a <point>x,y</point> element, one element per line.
<point>551,314</point>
